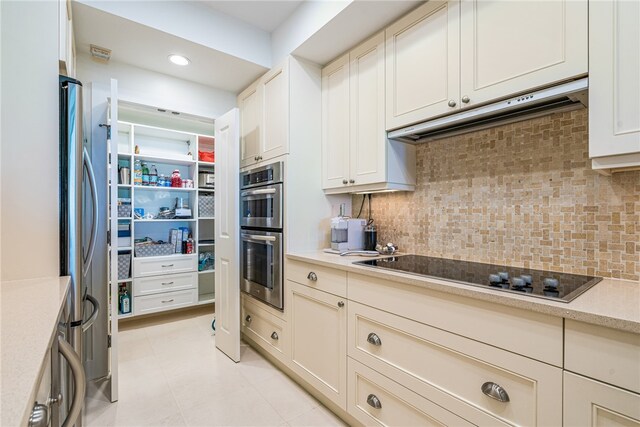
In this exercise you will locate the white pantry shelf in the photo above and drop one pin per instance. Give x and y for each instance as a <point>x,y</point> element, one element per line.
<point>157,188</point>
<point>162,159</point>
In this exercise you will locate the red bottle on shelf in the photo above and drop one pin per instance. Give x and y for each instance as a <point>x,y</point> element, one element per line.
<point>176,181</point>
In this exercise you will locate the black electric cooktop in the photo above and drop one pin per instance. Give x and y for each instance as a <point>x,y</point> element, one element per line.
<point>551,285</point>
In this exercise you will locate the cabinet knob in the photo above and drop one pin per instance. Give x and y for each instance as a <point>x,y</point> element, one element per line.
<point>452,103</point>
<point>495,391</point>
<point>340,304</point>
<point>344,181</point>
<point>312,276</point>
<point>352,181</point>
<point>274,336</point>
<point>465,99</point>
<point>39,416</point>
<point>248,319</point>
<point>374,402</point>
<point>255,158</point>
<point>374,339</point>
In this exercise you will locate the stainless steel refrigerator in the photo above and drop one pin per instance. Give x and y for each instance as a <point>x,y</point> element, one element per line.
<point>83,246</point>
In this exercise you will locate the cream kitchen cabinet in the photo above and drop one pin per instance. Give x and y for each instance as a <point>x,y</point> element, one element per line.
<point>249,105</point>
<point>318,328</point>
<point>507,47</point>
<point>592,403</point>
<point>66,43</point>
<point>264,117</point>
<point>614,86</point>
<point>448,55</point>
<point>422,62</point>
<point>356,153</point>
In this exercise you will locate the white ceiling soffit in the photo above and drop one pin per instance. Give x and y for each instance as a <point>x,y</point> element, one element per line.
<point>266,15</point>
<point>197,22</point>
<point>148,48</point>
<point>359,20</point>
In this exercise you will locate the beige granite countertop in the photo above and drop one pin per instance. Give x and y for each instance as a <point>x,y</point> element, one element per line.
<point>29,314</point>
<point>612,303</point>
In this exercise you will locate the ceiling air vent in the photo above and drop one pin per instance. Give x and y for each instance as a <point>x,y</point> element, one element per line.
<point>100,54</point>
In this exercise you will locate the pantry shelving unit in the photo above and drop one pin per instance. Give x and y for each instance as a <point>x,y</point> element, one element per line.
<point>161,283</point>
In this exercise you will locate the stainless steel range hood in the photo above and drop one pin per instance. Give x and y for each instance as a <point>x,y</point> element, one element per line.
<point>563,97</point>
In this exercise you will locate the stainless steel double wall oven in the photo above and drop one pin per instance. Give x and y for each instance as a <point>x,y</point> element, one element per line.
<point>261,222</point>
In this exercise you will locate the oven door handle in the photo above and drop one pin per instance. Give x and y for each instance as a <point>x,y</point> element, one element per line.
<point>258,192</point>
<point>254,238</point>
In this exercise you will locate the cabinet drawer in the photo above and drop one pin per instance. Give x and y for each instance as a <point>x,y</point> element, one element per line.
<point>396,404</point>
<point>425,358</point>
<point>264,329</point>
<point>326,279</point>
<point>153,266</point>
<point>164,283</point>
<point>535,335</point>
<point>164,301</point>
<point>602,353</point>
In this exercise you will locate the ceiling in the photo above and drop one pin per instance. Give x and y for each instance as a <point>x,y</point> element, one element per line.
<point>148,48</point>
<point>266,15</point>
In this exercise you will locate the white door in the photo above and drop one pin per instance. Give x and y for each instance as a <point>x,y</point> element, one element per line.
<point>275,113</point>
<point>368,140</point>
<point>513,46</point>
<point>335,123</point>
<point>249,103</point>
<point>422,59</point>
<point>113,227</point>
<point>227,233</point>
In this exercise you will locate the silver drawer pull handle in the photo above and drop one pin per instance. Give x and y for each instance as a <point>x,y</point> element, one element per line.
<point>312,276</point>
<point>167,283</point>
<point>374,339</point>
<point>274,336</point>
<point>374,402</point>
<point>167,265</point>
<point>495,391</point>
<point>248,319</point>
<point>169,300</point>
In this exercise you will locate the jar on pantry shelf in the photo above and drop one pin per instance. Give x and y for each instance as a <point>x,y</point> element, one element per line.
<point>176,181</point>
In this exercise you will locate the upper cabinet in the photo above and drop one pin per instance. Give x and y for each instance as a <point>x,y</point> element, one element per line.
<point>264,117</point>
<point>422,62</point>
<point>447,55</point>
<point>356,153</point>
<point>508,47</point>
<point>66,44</point>
<point>614,86</point>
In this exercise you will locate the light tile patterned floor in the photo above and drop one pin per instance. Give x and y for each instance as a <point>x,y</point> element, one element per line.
<point>172,375</point>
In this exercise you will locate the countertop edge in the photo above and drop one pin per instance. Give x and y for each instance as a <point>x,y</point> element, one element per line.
<point>558,309</point>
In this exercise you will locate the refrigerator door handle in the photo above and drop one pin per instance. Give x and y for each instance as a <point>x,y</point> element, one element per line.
<point>94,196</point>
<point>79,381</point>
<point>94,314</point>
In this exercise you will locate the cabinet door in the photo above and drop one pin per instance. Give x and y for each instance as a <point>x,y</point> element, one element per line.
<point>368,140</point>
<point>592,403</point>
<point>335,123</point>
<point>249,104</point>
<point>513,46</point>
<point>319,340</point>
<point>275,113</point>
<point>614,86</point>
<point>422,60</point>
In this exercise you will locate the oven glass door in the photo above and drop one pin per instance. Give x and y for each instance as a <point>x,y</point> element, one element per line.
<point>261,207</point>
<point>261,260</point>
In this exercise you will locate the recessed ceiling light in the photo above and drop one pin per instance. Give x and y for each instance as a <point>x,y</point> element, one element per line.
<point>179,59</point>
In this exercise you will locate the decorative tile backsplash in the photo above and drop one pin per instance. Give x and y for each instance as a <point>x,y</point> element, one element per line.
<point>521,194</point>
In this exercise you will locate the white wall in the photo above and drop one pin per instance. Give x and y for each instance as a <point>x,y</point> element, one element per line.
<point>29,139</point>
<point>305,21</point>
<point>156,89</point>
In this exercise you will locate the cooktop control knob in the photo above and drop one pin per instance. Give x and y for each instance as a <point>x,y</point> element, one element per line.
<point>495,279</point>
<point>527,279</point>
<point>550,283</point>
<point>504,275</point>
<point>518,283</point>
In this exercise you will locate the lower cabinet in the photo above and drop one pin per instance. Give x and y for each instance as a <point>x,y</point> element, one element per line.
<point>164,301</point>
<point>591,403</point>
<point>265,329</point>
<point>318,323</point>
<point>376,400</point>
